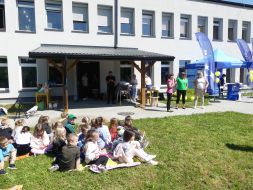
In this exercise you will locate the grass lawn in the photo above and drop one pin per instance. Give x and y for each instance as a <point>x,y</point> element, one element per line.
<point>209,151</point>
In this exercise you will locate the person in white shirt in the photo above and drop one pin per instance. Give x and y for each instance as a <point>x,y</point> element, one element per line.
<point>201,85</point>
<point>148,82</point>
<point>39,140</point>
<point>23,140</point>
<point>18,127</point>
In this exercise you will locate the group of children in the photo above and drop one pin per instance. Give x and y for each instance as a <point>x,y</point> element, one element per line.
<point>91,142</point>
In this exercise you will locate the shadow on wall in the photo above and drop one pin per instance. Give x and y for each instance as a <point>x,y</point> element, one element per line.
<point>240,147</point>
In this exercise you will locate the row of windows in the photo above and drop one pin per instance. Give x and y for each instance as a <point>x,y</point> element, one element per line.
<point>54,12</point>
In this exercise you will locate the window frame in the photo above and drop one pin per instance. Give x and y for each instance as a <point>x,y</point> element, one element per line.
<point>165,64</point>
<point>220,29</point>
<point>234,27</point>
<point>205,20</point>
<point>132,23</point>
<point>29,7</point>
<point>152,25</point>
<point>86,14</point>
<point>108,8</point>
<point>248,30</point>
<point>183,17</point>
<point>2,6</point>
<point>28,65</point>
<point>56,11</point>
<point>170,24</point>
<point>127,65</point>
<point>5,65</point>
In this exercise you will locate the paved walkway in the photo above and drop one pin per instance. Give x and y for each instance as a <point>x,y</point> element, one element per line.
<point>244,106</point>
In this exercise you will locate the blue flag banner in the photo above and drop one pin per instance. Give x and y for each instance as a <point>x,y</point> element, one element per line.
<point>245,50</point>
<point>209,69</point>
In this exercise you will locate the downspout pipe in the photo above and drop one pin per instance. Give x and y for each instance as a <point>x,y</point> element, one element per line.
<point>115,24</point>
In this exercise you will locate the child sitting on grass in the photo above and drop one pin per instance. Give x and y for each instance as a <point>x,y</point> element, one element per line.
<point>5,129</point>
<point>18,127</point>
<point>84,128</point>
<point>113,128</point>
<point>93,154</point>
<point>44,120</point>
<point>103,131</point>
<point>39,140</point>
<point>130,148</point>
<point>7,153</point>
<point>23,140</point>
<point>70,126</point>
<point>70,156</point>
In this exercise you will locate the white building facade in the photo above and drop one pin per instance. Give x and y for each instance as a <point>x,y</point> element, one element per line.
<point>161,26</point>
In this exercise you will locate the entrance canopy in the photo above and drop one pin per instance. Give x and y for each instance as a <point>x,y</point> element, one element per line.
<point>222,61</point>
<point>65,52</point>
<point>96,52</point>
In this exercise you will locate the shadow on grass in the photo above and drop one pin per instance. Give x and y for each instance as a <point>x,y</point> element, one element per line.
<point>240,147</point>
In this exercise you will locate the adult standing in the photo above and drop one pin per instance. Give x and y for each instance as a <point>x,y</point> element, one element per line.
<point>182,85</point>
<point>110,81</point>
<point>171,83</point>
<point>200,85</point>
<point>134,84</point>
<point>148,82</point>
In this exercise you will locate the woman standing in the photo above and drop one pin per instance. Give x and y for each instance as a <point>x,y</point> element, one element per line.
<point>182,85</point>
<point>201,85</point>
<point>170,86</point>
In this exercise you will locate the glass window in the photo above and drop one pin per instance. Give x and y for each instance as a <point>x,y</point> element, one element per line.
<point>165,70</point>
<point>232,30</point>
<point>55,76</point>
<point>246,31</point>
<point>125,71</point>
<point>148,23</point>
<point>185,26</point>
<point>104,19</point>
<point>54,14</point>
<point>28,72</point>
<point>127,21</point>
<point>80,17</point>
<point>202,25</point>
<point>167,22</point>
<point>4,82</point>
<point>26,15</point>
<point>2,15</point>
<point>217,29</point>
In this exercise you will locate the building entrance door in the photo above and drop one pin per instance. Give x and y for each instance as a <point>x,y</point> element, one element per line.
<point>87,79</point>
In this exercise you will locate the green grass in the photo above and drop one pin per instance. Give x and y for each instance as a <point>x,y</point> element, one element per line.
<point>208,151</point>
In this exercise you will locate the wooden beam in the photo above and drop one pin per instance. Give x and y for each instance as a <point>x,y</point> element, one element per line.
<point>60,69</point>
<point>136,66</point>
<point>72,65</point>
<point>143,89</point>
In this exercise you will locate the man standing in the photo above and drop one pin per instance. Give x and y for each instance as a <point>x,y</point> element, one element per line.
<point>110,81</point>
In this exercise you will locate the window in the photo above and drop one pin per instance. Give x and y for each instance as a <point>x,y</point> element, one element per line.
<point>167,25</point>
<point>202,25</point>
<point>80,17</point>
<point>232,30</point>
<point>185,26</point>
<point>4,82</point>
<point>125,71</point>
<point>29,72</point>
<point>165,70</point>
<point>2,15</point>
<point>148,23</point>
<point>246,31</point>
<point>104,19</point>
<point>217,29</point>
<point>55,76</point>
<point>26,15</point>
<point>127,21</point>
<point>54,14</point>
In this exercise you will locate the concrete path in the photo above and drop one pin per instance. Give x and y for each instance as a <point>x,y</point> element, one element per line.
<point>244,106</point>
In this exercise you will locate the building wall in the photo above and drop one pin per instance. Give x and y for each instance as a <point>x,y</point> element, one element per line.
<point>15,44</point>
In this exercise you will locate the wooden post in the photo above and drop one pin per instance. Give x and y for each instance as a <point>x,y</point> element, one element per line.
<point>143,89</point>
<point>65,89</point>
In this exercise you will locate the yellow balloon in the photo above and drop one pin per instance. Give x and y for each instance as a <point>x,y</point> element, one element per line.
<point>217,73</point>
<point>217,80</point>
<point>192,98</point>
<point>251,72</point>
<point>251,78</point>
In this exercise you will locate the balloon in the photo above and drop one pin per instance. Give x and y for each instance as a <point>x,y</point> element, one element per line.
<point>217,80</point>
<point>192,98</point>
<point>217,73</point>
<point>251,78</point>
<point>251,72</point>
